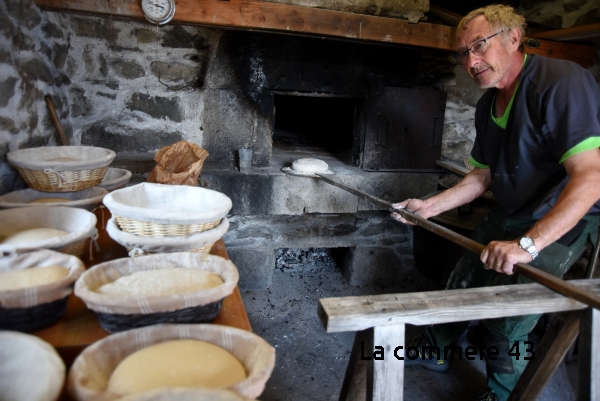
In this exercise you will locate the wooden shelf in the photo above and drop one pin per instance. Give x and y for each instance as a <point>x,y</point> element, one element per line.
<point>289,19</point>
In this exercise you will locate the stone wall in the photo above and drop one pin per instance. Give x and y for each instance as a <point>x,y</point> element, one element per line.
<point>33,50</point>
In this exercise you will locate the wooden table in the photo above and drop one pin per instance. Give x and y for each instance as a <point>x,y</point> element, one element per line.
<point>80,326</point>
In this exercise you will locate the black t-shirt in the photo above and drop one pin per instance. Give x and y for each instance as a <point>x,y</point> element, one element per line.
<point>556,108</point>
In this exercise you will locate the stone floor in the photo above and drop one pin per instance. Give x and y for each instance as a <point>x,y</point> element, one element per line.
<point>310,363</point>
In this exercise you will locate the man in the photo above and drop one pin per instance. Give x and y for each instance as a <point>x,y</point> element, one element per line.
<point>537,149</point>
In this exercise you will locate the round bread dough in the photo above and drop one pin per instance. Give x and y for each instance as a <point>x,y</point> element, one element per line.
<point>49,200</point>
<point>176,363</point>
<point>33,277</point>
<point>33,234</point>
<point>169,281</point>
<point>310,165</point>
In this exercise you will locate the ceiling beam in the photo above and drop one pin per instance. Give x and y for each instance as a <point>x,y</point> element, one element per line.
<point>276,17</point>
<point>585,32</point>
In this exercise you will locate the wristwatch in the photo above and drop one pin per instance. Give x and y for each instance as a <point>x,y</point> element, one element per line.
<point>528,245</point>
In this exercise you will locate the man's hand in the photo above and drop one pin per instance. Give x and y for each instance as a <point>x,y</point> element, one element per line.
<point>503,255</point>
<point>416,206</point>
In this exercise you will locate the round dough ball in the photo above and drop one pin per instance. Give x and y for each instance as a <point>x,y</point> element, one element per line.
<point>310,165</point>
<point>33,277</point>
<point>64,159</point>
<point>171,281</point>
<point>49,200</point>
<point>33,234</point>
<point>176,363</point>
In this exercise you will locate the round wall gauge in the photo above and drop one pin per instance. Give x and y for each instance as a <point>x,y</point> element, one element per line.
<point>158,11</point>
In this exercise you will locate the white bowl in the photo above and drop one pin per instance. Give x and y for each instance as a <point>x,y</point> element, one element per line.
<point>31,369</point>
<point>115,178</point>
<point>87,199</point>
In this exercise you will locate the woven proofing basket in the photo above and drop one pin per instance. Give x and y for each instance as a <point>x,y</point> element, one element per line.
<point>89,374</point>
<point>115,178</point>
<point>62,168</point>
<point>33,308</point>
<point>78,223</point>
<point>186,394</point>
<point>87,199</point>
<point>158,210</point>
<point>31,369</point>
<point>126,312</point>
<point>138,245</point>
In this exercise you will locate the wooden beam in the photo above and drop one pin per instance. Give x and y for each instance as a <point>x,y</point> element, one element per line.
<point>585,32</point>
<point>548,355</point>
<point>422,308</point>
<point>277,17</point>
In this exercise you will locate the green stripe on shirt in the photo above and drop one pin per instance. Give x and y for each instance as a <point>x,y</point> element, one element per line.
<point>476,163</point>
<point>590,143</point>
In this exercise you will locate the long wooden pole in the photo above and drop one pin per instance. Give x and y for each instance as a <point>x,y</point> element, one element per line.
<point>52,111</point>
<point>561,286</point>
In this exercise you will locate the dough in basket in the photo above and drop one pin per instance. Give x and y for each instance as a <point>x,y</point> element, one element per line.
<point>33,234</point>
<point>176,363</point>
<point>33,277</point>
<point>168,281</point>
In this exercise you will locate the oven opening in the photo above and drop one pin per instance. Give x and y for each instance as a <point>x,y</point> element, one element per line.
<point>315,123</point>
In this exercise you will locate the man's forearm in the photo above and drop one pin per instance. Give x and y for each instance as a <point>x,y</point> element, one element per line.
<point>470,188</point>
<point>580,194</point>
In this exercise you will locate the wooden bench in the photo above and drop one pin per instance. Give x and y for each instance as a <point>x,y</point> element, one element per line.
<point>380,320</point>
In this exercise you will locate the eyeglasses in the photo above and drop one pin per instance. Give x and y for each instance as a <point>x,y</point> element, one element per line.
<point>478,48</point>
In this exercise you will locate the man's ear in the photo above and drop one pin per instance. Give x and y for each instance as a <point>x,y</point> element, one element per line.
<point>514,38</point>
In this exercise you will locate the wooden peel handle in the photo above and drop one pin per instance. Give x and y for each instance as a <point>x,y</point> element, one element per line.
<point>56,121</point>
<point>554,283</point>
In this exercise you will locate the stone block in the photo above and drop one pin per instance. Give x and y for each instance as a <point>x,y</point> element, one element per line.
<point>380,265</point>
<point>123,139</point>
<point>156,106</point>
<point>255,265</point>
<point>7,90</point>
<point>128,69</point>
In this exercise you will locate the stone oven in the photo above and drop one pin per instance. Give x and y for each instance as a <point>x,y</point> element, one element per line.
<point>380,113</point>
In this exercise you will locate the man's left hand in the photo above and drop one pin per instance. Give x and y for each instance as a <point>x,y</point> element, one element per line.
<point>503,255</point>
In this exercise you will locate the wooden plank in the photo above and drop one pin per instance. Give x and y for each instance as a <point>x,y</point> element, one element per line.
<point>359,313</point>
<point>589,356</point>
<point>388,374</point>
<point>585,32</point>
<point>548,355</point>
<point>307,20</point>
<point>581,54</point>
<point>362,339</point>
<point>276,17</point>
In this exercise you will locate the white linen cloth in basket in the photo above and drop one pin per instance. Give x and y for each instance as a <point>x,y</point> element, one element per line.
<point>31,369</point>
<point>87,199</point>
<point>28,297</point>
<point>166,244</point>
<point>89,374</point>
<point>78,223</point>
<point>41,158</point>
<point>108,272</point>
<point>168,204</point>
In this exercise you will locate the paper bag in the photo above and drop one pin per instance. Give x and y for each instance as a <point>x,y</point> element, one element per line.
<point>178,164</point>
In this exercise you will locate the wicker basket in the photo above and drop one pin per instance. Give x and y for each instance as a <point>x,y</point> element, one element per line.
<point>33,308</point>
<point>31,369</point>
<point>158,210</point>
<point>87,199</point>
<point>62,168</point>
<point>78,223</point>
<point>123,313</point>
<point>115,178</point>
<point>138,245</point>
<point>89,374</point>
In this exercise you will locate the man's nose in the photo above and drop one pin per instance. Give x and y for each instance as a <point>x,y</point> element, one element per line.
<point>472,59</point>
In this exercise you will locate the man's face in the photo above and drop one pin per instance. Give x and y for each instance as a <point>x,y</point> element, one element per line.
<point>490,68</point>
